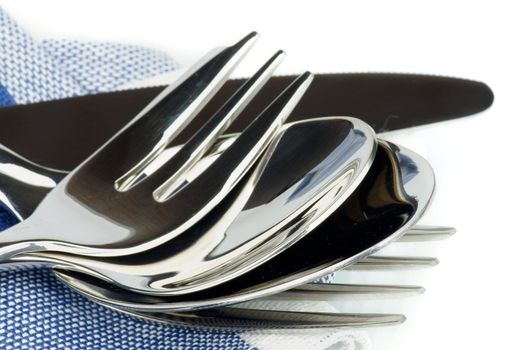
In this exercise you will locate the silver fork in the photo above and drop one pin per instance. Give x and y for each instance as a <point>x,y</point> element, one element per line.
<point>134,176</point>
<point>123,213</point>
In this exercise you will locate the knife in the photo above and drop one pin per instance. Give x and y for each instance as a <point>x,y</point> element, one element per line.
<point>62,133</point>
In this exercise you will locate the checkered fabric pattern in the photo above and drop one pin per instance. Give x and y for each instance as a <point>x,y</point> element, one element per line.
<point>38,312</point>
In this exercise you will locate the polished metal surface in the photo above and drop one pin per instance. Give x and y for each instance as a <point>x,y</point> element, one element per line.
<point>23,184</point>
<point>195,246</point>
<point>205,137</point>
<point>13,165</point>
<point>118,223</point>
<point>62,133</point>
<point>336,291</point>
<point>384,218</point>
<point>310,168</point>
<point>243,318</point>
<point>379,263</point>
<point>317,292</point>
<point>13,183</point>
<point>237,317</point>
<point>421,233</point>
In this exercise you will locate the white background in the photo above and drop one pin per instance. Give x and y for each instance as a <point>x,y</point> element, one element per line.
<point>477,297</point>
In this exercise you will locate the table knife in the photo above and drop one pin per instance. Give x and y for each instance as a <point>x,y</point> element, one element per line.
<point>62,133</point>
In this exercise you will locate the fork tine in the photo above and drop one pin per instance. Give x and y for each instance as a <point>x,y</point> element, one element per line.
<point>427,233</point>
<point>238,317</point>
<point>392,263</point>
<point>194,149</point>
<point>337,291</point>
<point>170,112</point>
<point>231,166</point>
<point>300,318</point>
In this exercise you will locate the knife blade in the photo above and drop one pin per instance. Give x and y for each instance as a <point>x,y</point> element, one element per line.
<point>62,133</point>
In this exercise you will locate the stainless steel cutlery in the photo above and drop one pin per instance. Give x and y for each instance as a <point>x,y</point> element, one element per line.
<point>319,253</point>
<point>74,128</point>
<point>232,242</point>
<point>183,233</point>
<point>118,222</point>
<point>308,292</point>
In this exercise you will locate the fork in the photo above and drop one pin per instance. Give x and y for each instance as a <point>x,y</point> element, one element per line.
<point>124,213</point>
<point>177,167</point>
<point>281,318</point>
<point>313,292</point>
<point>280,315</point>
<point>240,317</point>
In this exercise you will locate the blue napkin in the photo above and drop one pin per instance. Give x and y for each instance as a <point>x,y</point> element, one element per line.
<point>38,312</point>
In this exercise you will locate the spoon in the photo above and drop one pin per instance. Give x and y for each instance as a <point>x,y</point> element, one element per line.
<point>390,207</point>
<point>309,169</point>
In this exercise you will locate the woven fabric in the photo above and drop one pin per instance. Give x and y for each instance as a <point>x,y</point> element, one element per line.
<point>5,97</point>
<point>33,71</point>
<point>37,311</point>
<point>99,67</point>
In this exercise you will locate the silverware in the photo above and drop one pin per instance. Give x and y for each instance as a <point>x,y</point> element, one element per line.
<point>241,318</point>
<point>281,318</point>
<point>37,181</point>
<point>23,185</point>
<point>393,263</point>
<point>428,233</point>
<point>74,128</point>
<point>193,150</point>
<point>323,251</point>
<point>118,223</point>
<point>186,159</point>
<point>309,169</point>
